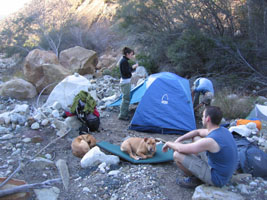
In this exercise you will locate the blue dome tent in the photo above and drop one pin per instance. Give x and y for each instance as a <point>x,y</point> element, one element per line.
<point>165,105</point>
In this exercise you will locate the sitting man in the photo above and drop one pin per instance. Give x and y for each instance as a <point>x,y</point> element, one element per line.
<point>212,156</point>
<point>202,86</point>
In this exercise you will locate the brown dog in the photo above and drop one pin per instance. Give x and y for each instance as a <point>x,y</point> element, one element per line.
<point>82,144</point>
<point>139,148</point>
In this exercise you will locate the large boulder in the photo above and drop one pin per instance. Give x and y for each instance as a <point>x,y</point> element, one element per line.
<point>42,68</point>
<point>78,59</point>
<point>18,88</point>
<point>106,61</point>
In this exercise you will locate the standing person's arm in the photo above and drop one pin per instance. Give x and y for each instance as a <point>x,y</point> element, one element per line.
<point>135,66</point>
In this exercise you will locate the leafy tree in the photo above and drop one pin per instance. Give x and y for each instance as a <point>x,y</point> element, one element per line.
<point>202,37</point>
<point>15,35</point>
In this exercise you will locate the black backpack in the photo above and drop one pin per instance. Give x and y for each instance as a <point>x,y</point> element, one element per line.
<point>252,160</point>
<point>88,119</point>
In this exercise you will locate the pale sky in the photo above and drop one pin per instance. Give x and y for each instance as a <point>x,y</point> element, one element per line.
<point>9,6</point>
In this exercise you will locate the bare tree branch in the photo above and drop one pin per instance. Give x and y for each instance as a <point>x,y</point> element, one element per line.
<point>5,181</point>
<point>27,187</point>
<point>244,60</point>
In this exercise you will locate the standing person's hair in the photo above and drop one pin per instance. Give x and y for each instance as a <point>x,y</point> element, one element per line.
<point>215,114</point>
<point>127,50</point>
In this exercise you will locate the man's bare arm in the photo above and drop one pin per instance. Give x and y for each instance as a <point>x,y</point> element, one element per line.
<point>205,144</point>
<point>191,134</point>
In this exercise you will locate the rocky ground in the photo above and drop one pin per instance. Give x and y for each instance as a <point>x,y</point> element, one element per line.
<point>30,138</point>
<point>122,181</point>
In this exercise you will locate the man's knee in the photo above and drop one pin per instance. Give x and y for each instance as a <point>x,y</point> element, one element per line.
<point>196,138</point>
<point>178,157</point>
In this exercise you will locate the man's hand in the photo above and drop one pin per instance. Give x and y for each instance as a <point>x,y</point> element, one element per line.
<point>178,139</point>
<point>165,147</point>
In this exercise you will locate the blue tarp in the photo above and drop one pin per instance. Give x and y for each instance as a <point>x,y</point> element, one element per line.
<point>136,95</point>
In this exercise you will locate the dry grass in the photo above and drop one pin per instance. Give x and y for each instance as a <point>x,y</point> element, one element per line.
<point>233,105</point>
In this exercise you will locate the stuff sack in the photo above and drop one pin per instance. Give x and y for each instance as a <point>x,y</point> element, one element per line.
<point>252,160</point>
<point>246,121</point>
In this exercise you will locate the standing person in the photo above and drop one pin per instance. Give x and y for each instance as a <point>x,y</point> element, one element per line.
<point>125,81</point>
<point>205,87</point>
<point>216,152</point>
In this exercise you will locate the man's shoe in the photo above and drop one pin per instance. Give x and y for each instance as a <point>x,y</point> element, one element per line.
<point>123,118</point>
<point>189,182</point>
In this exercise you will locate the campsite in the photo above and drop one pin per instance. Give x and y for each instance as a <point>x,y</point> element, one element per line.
<point>61,77</point>
<point>124,180</point>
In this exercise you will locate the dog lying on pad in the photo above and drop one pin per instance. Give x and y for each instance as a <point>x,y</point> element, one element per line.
<point>158,157</point>
<point>139,148</point>
<point>82,144</point>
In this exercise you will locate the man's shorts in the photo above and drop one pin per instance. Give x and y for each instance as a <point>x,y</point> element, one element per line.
<point>207,98</point>
<point>199,167</point>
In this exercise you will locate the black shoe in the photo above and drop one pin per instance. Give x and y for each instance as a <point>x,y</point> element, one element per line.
<point>124,118</point>
<point>189,182</point>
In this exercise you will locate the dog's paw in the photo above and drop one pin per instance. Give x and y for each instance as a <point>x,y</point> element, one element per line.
<point>142,158</point>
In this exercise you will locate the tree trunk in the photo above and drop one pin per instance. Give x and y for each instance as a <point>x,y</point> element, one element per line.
<point>250,19</point>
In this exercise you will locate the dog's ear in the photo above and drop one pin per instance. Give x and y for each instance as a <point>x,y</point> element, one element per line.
<point>160,140</point>
<point>145,139</point>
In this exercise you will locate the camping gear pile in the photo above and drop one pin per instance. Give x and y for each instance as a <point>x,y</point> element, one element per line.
<point>252,159</point>
<point>165,106</point>
<point>84,106</point>
<point>72,92</point>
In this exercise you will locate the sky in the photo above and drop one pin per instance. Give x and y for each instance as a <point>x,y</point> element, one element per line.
<point>10,6</point>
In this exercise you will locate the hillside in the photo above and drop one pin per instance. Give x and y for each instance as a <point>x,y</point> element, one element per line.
<point>192,39</point>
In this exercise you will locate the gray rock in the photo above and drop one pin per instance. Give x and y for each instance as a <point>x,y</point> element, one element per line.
<point>64,172</point>
<point>35,126</point>
<point>243,189</point>
<point>214,193</point>
<point>6,137</point>
<point>47,193</point>
<point>3,130</point>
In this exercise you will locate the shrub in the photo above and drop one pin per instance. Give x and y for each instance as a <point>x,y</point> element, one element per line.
<point>233,105</point>
<point>147,62</point>
<point>106,72</point>
<point>191,52</point>
<point>115,72</point>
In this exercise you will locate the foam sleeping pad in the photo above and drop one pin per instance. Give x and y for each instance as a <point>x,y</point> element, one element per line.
<point>159,156</point>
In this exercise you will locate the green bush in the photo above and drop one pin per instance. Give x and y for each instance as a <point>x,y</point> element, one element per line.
<point>191,52</point>
<point>233,105</point>
<point>147,62</point>
<point>115,72</point>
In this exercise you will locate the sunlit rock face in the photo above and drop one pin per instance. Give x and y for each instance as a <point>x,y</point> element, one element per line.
<point>42,69</point>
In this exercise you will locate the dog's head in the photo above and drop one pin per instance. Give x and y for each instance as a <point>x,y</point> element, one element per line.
<point>89,139</point>
<point>150,144</point>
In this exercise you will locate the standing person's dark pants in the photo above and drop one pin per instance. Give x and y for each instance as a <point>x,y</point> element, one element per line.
<point>196,99</point>
<point>126,97</point>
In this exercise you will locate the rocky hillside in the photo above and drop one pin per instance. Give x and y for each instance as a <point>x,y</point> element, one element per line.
<point>88,10</point>
<point>96,10</point>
